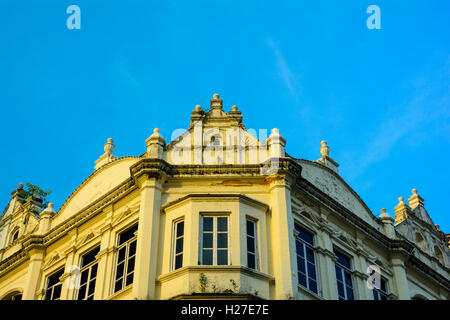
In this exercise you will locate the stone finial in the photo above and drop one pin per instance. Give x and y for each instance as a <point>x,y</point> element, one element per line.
<point>216,103</point>
<point>44,223</point>
<point>276,144</point>
<point>415,200</point>
<point>107,156</point>
<point>109,146</point>
<point>155,145</point>
<point>400,211</point>
<point>198,108</point>
<point>234,108</point>
<point>324,149</point>
<point>326,160</point>
<point>388,223</point>
<point>20,186</point>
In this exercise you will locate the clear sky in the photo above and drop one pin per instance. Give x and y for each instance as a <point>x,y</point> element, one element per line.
<point>310,68</point>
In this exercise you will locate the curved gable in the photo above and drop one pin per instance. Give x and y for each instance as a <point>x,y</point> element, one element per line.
<point>95,186</point>
<point>333,185</point>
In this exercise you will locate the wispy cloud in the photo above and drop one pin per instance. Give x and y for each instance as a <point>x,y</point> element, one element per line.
<point>284,71</point>
<point>430,104</point>
<point>122,70</point>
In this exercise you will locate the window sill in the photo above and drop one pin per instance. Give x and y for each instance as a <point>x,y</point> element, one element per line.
<point>120,292</point>
<point>307,292</point>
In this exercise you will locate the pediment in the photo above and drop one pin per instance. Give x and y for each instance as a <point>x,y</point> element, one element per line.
<point>334,186</point>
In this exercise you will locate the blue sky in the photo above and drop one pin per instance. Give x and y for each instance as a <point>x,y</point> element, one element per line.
<point>310,68</point>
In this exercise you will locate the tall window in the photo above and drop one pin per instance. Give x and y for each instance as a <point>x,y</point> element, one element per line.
<point>177,250</point>
<point>252,248</point>
<point>344,277</point>
<point>54,286</point>
<point>125,259</point>
<point>382,292</point>
<point>88,275</point>
<point>214,241</point>
<point>306,262</point>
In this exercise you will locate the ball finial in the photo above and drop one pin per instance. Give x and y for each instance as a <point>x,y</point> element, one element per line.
<point>216,96</point>
<point>234,108</point>
<point>156,130</point>
<point>198,108</point>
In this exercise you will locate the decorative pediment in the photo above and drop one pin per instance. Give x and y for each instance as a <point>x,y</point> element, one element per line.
<point>56,257</point>
<point>125,213</point>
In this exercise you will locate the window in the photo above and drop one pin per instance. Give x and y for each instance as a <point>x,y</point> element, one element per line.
<point>306,262</point>
<point>380,293</point>
<point>344,277</point>
<point>126,257</point>
<point>88,275</point>
<point>15,236</point>
<point>54,286</point>
<point>177,246</point>
<point>252,247</point>
<point>214,241</point>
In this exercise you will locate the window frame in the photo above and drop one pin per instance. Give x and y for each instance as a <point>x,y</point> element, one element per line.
<point>344,270</point>
<point>215,232</point>
<point>126,244</point>
<point>51,288</point>
<point>255,241</point>
<point>88,267</point>
<point>379,292</point>
<point>306,246</point>
<point>174,244</point>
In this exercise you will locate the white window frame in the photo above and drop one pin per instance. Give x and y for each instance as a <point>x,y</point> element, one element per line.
<point>342,270</point>
<point>89,279</point>
<point>255,240</point>
<point>306,245</point>
<point>174,244</point>
<point>380,291</point>
<point>116,260</point>
<point>214,232</point>
<point>51,289</point>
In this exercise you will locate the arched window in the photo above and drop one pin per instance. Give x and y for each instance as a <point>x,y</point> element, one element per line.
<point>418,297</point>
<point>14,235</point>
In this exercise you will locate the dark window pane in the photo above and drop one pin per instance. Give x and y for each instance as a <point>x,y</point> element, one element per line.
<point>180,229</point>
<point>311,270</point>
<point>339,273</point>
<point>118,285</point>
<point>222,240</point>
<point>130,279</point>
<point>89,257</point>
<point>383,285</point>
<point>207,258</point>
<point>57,292</point>
<point>179,245</point>
<point>119,272</point>
<point>349,293</point>
<point>178,261</point>
<point>132,249</point>
<point>348,279</point>
<point>54,278</point>
<point>310,255</point>
<point>301,264</point>
<point>208,224</point>
<point>94,270</point>
<point>312,285</point>
<point>250,228</point>
<point>84,276</point>
<point>340,287</point>
<point>222,224</point>
<point>376,295</point>
<point>222,257</point>
<point>302,279</point>
<point>122,252</point>
<point>207,240</point>
<point>130,267</point>
<point>127,234</point>
<point>82,292</point>
<point>251,244</point>
<point>342,260</point>
<point>299,246</point>
<point>251,261</point>
<point>91,287</point>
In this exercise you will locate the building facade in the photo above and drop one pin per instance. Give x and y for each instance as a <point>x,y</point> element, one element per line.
<point>219,213</point>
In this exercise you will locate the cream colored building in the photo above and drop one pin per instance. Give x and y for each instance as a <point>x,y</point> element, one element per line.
<point>218,213</point>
